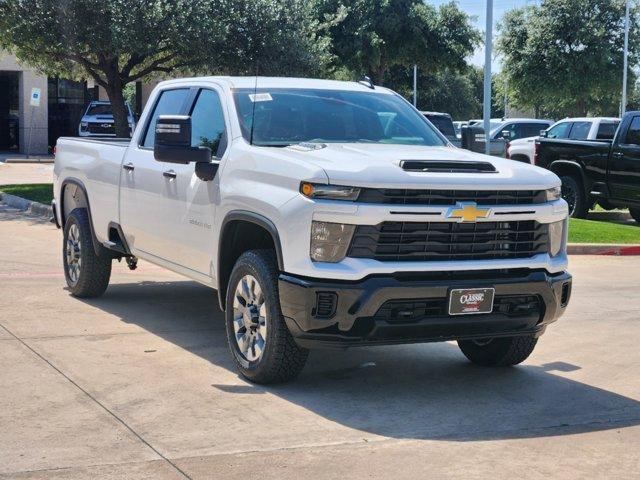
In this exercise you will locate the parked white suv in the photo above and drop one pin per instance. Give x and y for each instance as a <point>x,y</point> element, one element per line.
<point>585,128</point>
<point>324,213</point>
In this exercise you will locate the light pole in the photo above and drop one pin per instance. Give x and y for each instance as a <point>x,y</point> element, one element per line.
<point>623,104</point>
<point>488,43</point>
<point>415,86</point>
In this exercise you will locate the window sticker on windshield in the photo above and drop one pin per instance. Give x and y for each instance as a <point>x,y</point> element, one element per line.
<point>260,97</point>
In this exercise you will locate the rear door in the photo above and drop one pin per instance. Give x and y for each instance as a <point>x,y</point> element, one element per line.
<point>624,164</point>
<point>142,214</point>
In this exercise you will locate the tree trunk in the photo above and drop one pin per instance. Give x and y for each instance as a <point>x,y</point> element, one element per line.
<point>120,113</point>
<point>377,74</point>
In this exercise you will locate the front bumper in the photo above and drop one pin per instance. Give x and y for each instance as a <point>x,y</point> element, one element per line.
<point>412,307</point>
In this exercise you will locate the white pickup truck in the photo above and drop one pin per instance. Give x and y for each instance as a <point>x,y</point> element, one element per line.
<point>325,214</point>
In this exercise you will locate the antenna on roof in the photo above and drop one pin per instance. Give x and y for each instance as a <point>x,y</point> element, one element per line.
<point>366,81</point>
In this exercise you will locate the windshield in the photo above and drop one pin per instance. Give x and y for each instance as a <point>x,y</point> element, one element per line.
<point>100,109</point>
<point>288,116</point>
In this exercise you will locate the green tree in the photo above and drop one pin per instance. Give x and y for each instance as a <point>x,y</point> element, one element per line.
<point>565,56</point>
<point>116,42</point>
<point>371,36</point>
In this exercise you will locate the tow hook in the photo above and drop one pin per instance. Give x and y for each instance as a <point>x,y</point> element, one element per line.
<point>132,263</point>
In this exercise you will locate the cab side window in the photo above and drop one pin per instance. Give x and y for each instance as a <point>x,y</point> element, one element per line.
<point>580,131</point>
<point>170,102</point>
<point>561,130</point>
<point>633,134</point>
<point>207,123</point>
<point>607,130</point>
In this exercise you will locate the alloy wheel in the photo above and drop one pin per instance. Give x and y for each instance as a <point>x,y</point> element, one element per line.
<point>73,253</point>
<point>250,318</point>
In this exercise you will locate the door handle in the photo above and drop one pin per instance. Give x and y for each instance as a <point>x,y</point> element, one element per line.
<point>128,167</point>
<point>169,174</point>
<point>618,154</point>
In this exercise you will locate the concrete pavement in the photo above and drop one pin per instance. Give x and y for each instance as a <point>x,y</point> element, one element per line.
<point>139,384</point>
<point>18,173</point>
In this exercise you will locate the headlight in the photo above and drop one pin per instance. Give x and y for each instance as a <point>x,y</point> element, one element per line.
<point>84,125</point>
<point>556,236</point>
<point>330,241</point>
<point>554,193</point>
<point>329,192</point>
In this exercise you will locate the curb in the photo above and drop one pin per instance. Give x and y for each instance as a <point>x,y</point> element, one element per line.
<point>28,206</point>
<point>602,249</point>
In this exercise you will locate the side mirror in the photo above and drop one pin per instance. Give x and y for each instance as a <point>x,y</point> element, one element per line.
<point>506,134</point>
<point>173,141</point>
<point>543,133</point>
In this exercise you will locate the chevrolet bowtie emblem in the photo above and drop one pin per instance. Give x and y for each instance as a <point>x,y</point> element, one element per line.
<point>467,212</point>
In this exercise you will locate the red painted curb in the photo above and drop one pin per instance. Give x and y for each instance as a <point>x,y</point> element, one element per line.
<point>594,249</point>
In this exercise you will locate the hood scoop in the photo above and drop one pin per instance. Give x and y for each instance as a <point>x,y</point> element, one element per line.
<point>443,166</point>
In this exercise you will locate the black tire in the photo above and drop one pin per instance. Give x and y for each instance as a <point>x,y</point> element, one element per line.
<point>91,273</point>
<point>498,352</point>
<point>635,214</point>
<point>574,194</point>
<point>281,359</point>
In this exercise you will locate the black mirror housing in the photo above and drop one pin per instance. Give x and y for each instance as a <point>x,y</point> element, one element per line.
<point>543,133</point>
<point>173,141</point>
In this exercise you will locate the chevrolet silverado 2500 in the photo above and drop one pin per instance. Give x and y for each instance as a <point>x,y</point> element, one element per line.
<point>324,213</point>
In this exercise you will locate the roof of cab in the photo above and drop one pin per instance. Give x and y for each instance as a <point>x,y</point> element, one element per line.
<point>282,82</point>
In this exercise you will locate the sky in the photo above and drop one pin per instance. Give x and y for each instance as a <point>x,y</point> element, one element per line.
<point>477,9</point>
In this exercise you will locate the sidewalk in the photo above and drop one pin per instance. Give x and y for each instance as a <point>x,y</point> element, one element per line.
<point>19,173</point>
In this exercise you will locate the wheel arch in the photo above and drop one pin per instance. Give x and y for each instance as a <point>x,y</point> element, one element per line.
<point>233,242</point>
<point>572,168</point>
<point>79,198</point>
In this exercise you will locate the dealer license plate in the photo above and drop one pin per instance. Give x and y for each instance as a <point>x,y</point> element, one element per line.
<point>467,301</point>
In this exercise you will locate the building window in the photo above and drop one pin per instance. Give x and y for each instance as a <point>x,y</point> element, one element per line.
<point>67,102</point>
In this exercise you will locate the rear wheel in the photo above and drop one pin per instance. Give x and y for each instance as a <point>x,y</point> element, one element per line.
<point>635,213</point>
<point>573,193</point>
<point>87,274</point>
<point>262,347</point>
<point>498,352</point>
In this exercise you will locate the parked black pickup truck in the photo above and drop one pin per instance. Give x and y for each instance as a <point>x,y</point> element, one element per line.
<point>603,171</point>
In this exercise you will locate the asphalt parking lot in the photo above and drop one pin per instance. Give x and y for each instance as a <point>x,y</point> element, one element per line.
<point>139,384</point>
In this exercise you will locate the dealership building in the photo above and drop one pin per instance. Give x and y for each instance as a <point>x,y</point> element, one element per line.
<point>32,127</point>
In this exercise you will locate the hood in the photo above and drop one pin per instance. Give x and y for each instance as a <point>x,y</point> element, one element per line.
<point>378,166</point>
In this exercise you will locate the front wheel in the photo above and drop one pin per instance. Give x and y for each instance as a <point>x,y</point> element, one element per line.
<point>498,352</point>
<point>260,342</point>
<point>87,273</point>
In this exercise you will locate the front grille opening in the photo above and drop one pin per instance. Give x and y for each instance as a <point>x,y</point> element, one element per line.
<point>447,167</point>
<point>326,304</point>
<point>413,311</point>
<point>400,196</point>
<point>441,241</point>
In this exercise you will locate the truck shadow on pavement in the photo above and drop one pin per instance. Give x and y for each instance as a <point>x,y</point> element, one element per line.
<point>424,391</point>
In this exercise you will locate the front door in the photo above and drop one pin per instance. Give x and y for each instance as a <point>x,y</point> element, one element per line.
<point>167,212</point>
<point>624,165</point>
<point>189,201</point>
